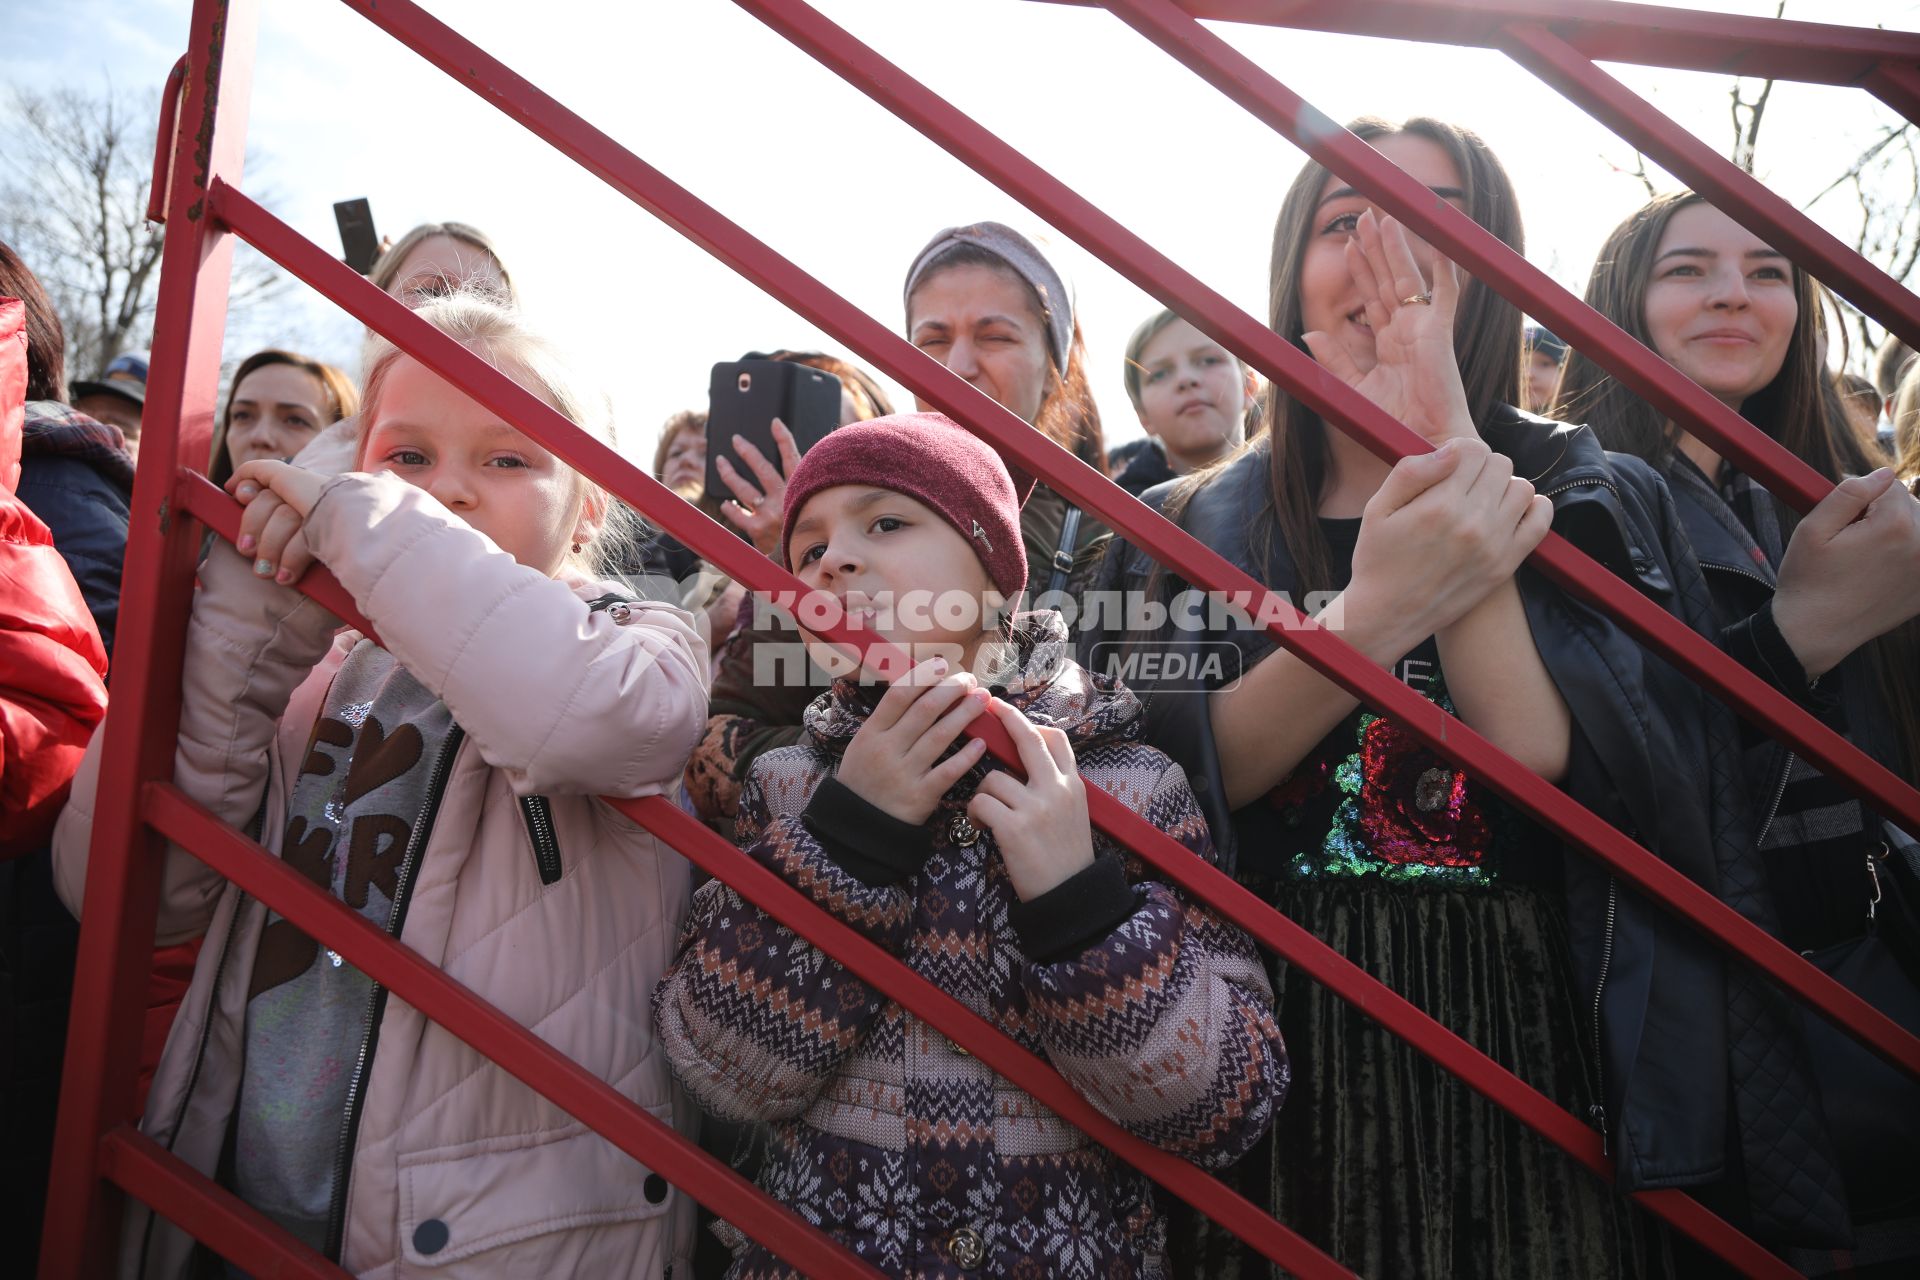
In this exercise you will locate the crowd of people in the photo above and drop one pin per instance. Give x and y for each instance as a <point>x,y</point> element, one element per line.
<point>541,648</point>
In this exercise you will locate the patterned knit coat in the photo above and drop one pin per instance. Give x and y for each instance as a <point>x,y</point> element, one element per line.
<point>884,1133</point>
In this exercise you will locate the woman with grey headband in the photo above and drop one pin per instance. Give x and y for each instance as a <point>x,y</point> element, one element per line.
<point>984,301</point>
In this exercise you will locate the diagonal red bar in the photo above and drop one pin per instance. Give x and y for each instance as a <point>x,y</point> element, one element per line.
<point>1898,85</point>
<point>1650,35</point>
<point>1733,191</point>
<point>1327,395</point>
<point>512,1047</point>
<point>1474,248</point>
<point>208,1211</point>
<point>1325,652</point>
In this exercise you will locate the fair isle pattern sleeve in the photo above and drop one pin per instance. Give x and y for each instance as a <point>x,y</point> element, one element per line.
<point>755,1019</point>
<point>1166,1024</point>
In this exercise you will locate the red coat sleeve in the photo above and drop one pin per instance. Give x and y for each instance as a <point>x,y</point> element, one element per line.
<point>52,665</point>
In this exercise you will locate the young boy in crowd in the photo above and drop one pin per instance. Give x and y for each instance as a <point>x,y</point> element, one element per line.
<point>906,1149</point>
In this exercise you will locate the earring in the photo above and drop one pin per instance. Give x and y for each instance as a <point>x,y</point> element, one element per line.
<point>576,548</point>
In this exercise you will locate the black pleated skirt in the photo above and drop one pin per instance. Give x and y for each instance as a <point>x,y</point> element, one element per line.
<point>1386,1161</point>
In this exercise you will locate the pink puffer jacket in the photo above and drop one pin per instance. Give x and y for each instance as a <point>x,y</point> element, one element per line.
<point>458,1169</point>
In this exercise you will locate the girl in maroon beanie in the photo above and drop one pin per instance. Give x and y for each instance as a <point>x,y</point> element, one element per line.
<point>906,1149</point>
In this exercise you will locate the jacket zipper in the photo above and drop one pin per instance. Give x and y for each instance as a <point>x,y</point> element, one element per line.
<point>538,811</point>
<point>1737,572</point>
<point>1780,791</point>
<point>377,995</point>
<point>1597,1113</point>
<point>1582,484</point>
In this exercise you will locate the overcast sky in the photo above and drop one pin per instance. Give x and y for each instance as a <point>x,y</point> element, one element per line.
<point>779,144</point>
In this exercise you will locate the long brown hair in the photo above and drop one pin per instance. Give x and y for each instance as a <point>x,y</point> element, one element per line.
<point>1068,415</point>
<point>1799,408</point>
<point>343,399</point>
<point>1486,337</point>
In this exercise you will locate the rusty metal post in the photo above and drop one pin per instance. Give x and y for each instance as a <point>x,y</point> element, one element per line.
<point>123,877</point>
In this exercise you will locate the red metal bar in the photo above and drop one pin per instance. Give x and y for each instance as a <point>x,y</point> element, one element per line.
<point>164,141</point>
<point>1650,35</point>
<point>209,1212</point>
<point>116,931</point>
<point>512,1047</point>
<point>1731,190</point>
<point>1475,249</point>
<point>1898,85</point>
<point>999,163</point>
<point>1027,448</point>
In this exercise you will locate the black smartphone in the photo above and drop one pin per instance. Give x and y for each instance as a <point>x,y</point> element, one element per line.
<point>743,399</point>
<point>356,233</point>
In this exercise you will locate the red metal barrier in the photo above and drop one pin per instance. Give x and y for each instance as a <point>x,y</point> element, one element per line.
<point>95,1148</point>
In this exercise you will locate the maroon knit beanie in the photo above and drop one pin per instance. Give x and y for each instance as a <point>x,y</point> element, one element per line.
<point>930,457</point>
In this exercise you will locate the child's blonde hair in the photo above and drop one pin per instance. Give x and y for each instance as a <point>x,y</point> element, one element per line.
<point>487,325</point>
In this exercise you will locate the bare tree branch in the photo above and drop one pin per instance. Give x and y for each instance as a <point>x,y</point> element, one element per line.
<point>73,200</point>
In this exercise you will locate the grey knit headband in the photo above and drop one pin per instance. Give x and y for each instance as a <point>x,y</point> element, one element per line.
<point>1026,261</point>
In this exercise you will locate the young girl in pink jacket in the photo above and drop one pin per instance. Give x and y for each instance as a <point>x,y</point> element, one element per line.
<point>443,782</point>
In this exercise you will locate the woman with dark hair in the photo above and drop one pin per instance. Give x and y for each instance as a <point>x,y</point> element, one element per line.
<point>1397,859</point>
<point>1822,607</point>
<point>280,401</point>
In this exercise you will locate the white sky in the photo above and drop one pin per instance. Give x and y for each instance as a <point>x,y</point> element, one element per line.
<point>784,147</point>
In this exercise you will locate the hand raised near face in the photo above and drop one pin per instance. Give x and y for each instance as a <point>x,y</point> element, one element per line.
<point>893,761</point>
<point>1410,369</point>
<point>757,512</point>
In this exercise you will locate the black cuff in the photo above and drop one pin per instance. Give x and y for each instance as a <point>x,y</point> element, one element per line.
<point>1756,643</point>
<point>1074,914</point>
<point>870,844</point>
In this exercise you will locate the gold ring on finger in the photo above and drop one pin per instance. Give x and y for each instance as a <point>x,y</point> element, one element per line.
<point>1418,300</point>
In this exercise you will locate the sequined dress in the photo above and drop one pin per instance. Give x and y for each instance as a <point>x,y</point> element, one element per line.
<point>1434,885</point>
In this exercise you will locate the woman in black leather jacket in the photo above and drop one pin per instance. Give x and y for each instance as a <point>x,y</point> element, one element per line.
<point>1348,825</point>
<point>1822,608</point>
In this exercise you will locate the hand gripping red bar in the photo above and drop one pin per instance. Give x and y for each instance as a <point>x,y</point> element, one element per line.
<point>496,391</point>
